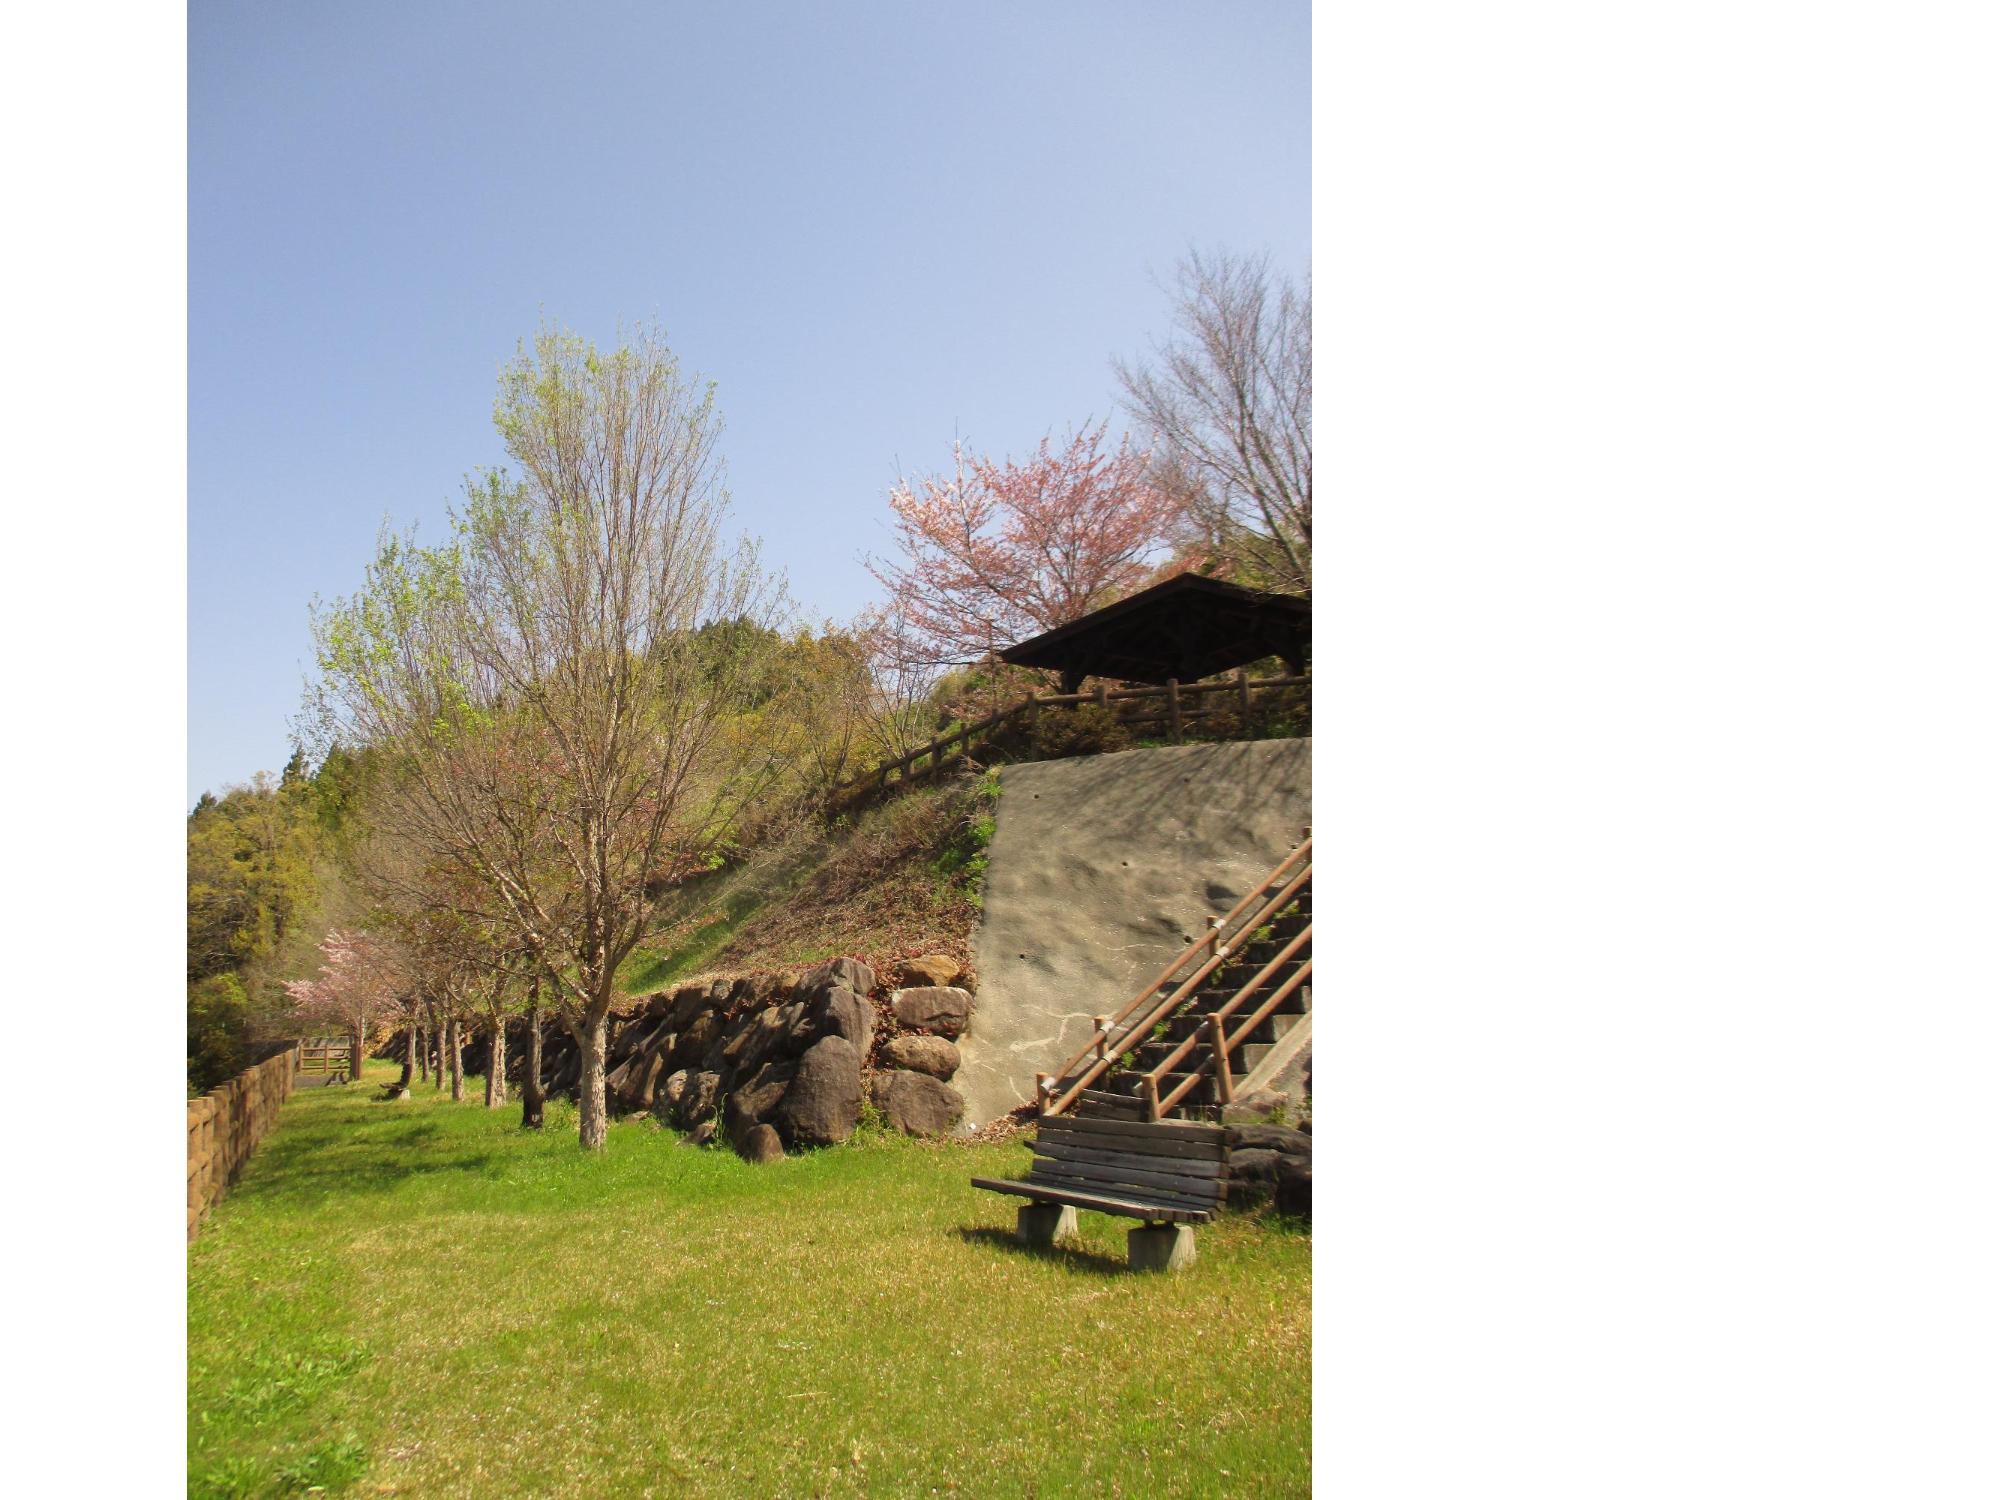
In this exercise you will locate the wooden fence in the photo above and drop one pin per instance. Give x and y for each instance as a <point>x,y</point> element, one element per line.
<point>225,1124</point>
<point>1175,708</point>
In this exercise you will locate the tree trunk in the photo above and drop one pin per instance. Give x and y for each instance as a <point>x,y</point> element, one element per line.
<point>455,1040</point>
<point>496,1065</point>
<point>532,1097</point>
<point>409,1055</point>
<point>423,1045</point>
<point>437,1056</point>
<point>591,1123</point>
<point>356,1044</point>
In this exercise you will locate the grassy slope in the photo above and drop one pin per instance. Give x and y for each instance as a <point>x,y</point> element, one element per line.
<point>901,880</point>
<point>422,1299</point>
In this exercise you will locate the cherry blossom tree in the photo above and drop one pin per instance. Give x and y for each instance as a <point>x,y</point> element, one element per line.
<point>362,982</point>
<point>995,552</point>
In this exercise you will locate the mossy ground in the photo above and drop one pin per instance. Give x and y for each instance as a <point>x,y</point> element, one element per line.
<point>423,1299</point>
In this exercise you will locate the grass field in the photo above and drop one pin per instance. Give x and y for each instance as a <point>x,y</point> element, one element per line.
<point>423,1299</point>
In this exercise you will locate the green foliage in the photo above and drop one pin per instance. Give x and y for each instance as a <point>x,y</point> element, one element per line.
<point>261,860</point>
<point>1086,729</point>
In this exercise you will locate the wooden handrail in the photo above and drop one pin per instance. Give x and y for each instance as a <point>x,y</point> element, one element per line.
<point>1224,1011</point>
<point>1214,944</point>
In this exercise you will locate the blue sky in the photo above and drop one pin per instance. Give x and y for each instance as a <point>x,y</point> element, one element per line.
<point>874,225</point>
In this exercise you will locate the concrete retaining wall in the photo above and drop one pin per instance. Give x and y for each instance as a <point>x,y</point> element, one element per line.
<point>1100,871</point>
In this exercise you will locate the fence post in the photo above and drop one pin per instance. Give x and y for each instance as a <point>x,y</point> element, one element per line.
<point>1103,695</point>
<point>1174,708</point>
<point>1243,694</point>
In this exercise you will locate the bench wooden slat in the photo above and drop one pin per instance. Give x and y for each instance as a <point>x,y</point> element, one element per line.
<point>1173,1166</point>
<point>1161,1130</point>
<point>1072,1133</point>
<point>1126,1207</point>
<point>1120,1179</point>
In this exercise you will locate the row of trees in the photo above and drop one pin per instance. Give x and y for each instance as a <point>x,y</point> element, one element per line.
<point>588,692</point>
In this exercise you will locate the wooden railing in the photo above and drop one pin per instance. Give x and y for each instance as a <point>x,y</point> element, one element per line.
<point>1182,705</point>
<point>1115,1035</point>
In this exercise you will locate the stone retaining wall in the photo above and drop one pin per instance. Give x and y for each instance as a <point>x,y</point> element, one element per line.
<point>225,1125</point>
<point>773,1062</point>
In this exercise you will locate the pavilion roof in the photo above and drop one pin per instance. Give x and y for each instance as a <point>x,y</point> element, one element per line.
<point>1187,628</point>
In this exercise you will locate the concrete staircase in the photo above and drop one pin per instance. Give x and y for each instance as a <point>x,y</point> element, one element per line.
<point>1118,1095</point>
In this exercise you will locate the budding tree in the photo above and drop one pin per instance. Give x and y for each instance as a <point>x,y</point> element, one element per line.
<point>1228,401</point>
<point>552,724</point>
<point>996,552</point>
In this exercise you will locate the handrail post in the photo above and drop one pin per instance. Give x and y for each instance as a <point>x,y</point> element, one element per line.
<point>1225,1088</point>
<point>1103,1024</point>
<point>1152,1097</point>
<point>1044,1086</point>
<point>1174,708</point>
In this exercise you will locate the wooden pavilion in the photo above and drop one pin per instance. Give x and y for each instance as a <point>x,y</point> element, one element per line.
<point>1182,630</point>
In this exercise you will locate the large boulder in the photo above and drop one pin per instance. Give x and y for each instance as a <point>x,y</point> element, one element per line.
<point>689,1001</point>
<point>640,1094</point>
<point>753,1039</point>
<point>760,1143</point>
<point>667,1100</point>
<point>1267,1138</point>
<point>823,1104</point>
<point>840,1012</point>
<point>916,1103</point>
<point>851,972</point>
<point>921,1054</point>
<point>942,1009</point>
<point>698,1101</point>
<point>932,969</point>
<point>1295,1186</point>
<point>754,1103</point>
<point>696,1038</point>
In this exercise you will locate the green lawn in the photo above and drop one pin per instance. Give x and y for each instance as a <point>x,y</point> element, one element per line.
<point>423,1299</point>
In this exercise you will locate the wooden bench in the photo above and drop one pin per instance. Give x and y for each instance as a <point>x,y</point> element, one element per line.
<point>1168,1173</point>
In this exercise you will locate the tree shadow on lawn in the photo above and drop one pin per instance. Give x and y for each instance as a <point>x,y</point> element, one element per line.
<point>1090,1262</point>
<point>299,1165</point>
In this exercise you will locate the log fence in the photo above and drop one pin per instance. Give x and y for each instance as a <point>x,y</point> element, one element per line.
<point>225,1125</point>
<point>1182,705</point>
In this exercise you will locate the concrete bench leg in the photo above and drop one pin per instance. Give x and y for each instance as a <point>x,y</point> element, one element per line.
<point>1160,1247</point>
<point>1045,1225</point>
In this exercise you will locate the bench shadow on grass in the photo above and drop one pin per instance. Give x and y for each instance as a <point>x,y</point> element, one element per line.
<point>1092,1262</point>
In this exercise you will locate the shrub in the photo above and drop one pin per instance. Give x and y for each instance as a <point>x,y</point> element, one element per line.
<point>1086,729</point>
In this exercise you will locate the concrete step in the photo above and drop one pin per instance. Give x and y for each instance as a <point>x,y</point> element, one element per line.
<point>1241,1061</point>
<point>1273,1026</point>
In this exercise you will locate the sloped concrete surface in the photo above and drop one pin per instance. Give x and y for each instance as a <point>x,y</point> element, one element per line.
<point>1102,869</point>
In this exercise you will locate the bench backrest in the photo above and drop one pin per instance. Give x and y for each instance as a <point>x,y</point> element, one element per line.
<point>1173,1161</point>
